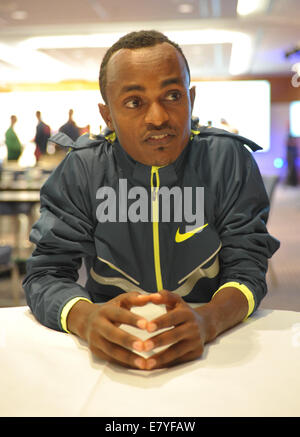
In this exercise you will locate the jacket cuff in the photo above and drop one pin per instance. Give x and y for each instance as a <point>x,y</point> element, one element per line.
<point>246,292</point>
<point>65,311</point>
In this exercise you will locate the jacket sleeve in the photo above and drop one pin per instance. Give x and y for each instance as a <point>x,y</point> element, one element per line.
<point>63,235</point>
<point>241,217</point>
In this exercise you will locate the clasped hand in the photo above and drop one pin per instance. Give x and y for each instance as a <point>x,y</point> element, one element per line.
<point>183,339</point>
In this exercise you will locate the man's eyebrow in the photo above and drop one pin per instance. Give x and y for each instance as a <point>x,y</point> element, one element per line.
<point>133,87</point>
<point>164,83</point>
<point>171,81</point>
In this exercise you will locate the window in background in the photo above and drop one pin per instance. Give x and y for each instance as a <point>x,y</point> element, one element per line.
<point>244,105</point>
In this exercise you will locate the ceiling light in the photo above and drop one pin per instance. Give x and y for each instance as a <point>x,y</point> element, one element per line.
<point>71,41</point>
<point>241,43</point>
<point>33,64</point>
<point>19,15</point>
<point>185,8</point>
<point>247,7</point>
<point>207,36</point>
<point>241,54</point>
<point>182,37</point>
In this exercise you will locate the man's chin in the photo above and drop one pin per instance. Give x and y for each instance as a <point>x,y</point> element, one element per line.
<point>160,157</point>
<point>160,162</point>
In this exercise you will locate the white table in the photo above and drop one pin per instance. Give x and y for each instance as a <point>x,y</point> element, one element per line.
<point>252,370</point>
<point>32,196</point>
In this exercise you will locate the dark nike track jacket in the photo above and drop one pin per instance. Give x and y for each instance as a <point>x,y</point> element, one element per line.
<point>145,255</point>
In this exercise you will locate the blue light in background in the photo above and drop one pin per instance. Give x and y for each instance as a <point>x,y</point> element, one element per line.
<point>278,162</point>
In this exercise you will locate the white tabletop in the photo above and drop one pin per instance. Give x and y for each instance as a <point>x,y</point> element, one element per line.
<point>20,196</point>
<point>251,370</point>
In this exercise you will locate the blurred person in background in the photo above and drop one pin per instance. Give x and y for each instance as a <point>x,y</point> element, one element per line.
<point>41,137</point>
<point>291,156</point>
<point>70,128</point>
<point>85,129</point>
<point>195,123</point>
<point>226,126</point>
<point>14,147</point>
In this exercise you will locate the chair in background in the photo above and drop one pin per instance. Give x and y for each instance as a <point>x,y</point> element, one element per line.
<point>270,182</point>
<point>8,265</point>
<point>21,213</point>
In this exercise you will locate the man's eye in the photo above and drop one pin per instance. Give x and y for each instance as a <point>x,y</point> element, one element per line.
<point>173,96</point>
<point>133,103</point>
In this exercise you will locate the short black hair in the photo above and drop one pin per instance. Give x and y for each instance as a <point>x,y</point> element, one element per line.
<point>134,40</point>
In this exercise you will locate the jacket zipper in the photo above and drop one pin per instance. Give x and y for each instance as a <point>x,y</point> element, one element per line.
<point>155,227</point>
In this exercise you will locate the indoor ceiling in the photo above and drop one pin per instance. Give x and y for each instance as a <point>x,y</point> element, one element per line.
<point>27,53</point>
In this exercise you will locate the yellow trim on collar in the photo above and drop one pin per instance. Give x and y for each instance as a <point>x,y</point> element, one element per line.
<point>111,137</point>
<point>246,292</point>
<point>66,309</point>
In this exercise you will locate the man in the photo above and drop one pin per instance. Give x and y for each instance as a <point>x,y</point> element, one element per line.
<point>14,147</point>
<point>41,137</point>
<point>291,157</point>
<point>133,256</point>
<point>70,128</point>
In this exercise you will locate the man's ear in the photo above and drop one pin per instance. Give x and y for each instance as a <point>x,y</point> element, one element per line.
<point>105,114</point>
<point>192,96</point>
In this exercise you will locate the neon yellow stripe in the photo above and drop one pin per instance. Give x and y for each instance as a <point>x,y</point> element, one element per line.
<point>66,309</point>
<point>155,219</point>
<point>245,290</point>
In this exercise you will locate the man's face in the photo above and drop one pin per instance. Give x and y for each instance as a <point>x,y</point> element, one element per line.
<point>149,103</point>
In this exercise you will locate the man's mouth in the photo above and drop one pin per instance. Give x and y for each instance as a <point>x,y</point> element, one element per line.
<point>159,139</point>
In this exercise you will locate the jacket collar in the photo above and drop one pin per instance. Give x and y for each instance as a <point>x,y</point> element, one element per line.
<point>140,173</point>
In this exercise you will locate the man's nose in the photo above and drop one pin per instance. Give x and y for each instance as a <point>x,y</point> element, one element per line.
<point>156,115</point>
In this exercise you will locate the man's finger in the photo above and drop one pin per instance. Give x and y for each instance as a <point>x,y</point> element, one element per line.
<point>175,335</point>
<point>173,317</point>
<point>162,297</point>
<point>169,298</point>
<point>116,354</point>
<point>128,300</point>
<point>107,329</point>
<point>190,356</point>
<point>179,352</point>
<point>118,314</point>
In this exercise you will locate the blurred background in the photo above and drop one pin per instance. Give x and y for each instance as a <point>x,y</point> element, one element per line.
<point>244,57</point>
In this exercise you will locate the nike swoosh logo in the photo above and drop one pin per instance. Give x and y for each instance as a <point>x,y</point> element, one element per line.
<point>179,238</point>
